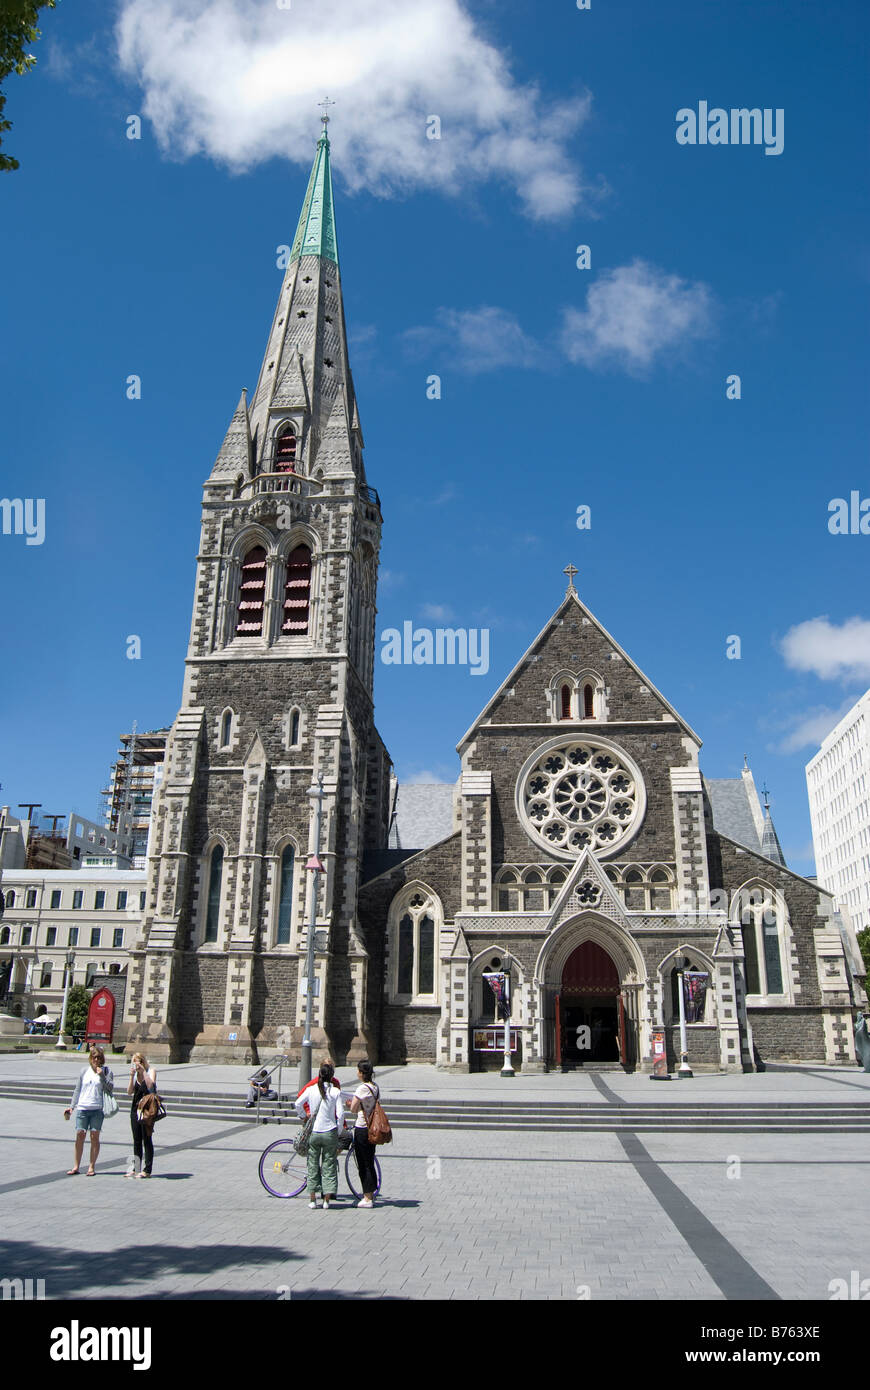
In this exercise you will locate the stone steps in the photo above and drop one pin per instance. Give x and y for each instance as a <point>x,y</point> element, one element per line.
<point>779,1117</point>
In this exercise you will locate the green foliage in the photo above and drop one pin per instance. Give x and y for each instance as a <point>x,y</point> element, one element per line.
<point>18,30</point>
<point>864,943</point>
<point>77,1009</point>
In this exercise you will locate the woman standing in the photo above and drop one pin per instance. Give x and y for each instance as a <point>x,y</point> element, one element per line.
<point>326,1106</point>
<point>143,1082</point>
<point>365,1098</point>
<point>94,1082</point>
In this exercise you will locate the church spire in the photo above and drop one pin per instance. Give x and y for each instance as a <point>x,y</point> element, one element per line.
<point>305,382</point>
<point>315,234</point>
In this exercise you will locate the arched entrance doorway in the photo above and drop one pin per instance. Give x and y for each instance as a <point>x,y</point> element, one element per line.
<point>590,1016</point>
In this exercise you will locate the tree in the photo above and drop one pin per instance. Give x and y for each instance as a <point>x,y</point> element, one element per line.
<point>18,30</point>
<point>77,1009</point>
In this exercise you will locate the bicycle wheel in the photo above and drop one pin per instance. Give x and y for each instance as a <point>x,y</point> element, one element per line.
<point>351,1172</point>
<point>282,1169</point>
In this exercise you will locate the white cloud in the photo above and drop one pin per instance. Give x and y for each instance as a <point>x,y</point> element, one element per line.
<point>811,729</point>
<point>238,80</point>
<point>831,652</point>
<point>477,340</point>
<point>634,314</point>
<point>438,612</point>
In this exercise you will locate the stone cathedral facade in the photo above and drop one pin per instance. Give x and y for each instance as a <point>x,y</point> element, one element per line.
<point>587,856</point>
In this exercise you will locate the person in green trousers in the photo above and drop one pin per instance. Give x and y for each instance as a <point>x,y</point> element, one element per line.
<point>328,1111</point>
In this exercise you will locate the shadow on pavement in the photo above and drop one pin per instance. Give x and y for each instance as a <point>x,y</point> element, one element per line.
<point>70,1272</point>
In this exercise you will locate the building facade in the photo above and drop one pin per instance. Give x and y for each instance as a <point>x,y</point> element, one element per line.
<point>838,783</point>
<point>587,861</point>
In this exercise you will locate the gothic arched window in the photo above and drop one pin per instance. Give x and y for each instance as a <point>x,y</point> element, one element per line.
<point>226,728</point>
<point>285,451</point>
<point>762,914</point>
<point>297,591</point>
<point>215,881</point>
<point>294,729</point>
<point>566,702</point>
<point>10,899</point>
<point>252,594</point>
<point>662,899</point>
<point>285,896</point>
<point>415,949</point>
<point>588,702</point>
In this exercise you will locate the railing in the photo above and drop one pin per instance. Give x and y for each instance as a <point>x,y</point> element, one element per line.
<point>371,495</point>
<point>283,482</point>
<point>276,1063</point>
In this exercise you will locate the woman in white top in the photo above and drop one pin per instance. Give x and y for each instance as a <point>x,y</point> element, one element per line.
<point>365,1098</point>
<point>326,1106</point>
<point>94,1082</point>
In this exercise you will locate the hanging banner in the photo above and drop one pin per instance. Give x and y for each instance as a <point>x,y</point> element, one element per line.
<point>695,985</point>
<point>498,982</point>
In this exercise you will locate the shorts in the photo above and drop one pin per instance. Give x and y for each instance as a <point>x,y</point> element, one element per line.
<point>89,1119</point>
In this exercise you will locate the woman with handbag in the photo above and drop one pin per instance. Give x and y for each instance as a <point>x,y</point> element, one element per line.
<point>365,1098</point>
<point>143,1082</point>
<point>94,1086</point>
<point>326,1119</point>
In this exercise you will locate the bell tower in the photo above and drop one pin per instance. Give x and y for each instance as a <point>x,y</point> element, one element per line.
<point>277,695</point>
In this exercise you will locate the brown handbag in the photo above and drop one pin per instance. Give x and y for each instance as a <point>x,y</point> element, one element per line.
<point>378,1125</point>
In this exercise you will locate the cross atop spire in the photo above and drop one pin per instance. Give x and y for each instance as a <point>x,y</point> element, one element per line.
<point>571,570</point>
<point>324,119</point>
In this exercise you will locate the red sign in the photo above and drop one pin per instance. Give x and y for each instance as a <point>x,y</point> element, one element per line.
<point>101,1017</point>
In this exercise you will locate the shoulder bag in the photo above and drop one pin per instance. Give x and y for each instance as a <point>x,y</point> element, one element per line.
<point>378,1124</point>
<point>110,1105</point>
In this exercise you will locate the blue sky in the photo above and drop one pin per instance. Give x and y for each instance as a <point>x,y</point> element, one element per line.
<point>560,387</point>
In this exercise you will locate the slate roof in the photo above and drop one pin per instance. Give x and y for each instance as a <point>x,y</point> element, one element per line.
<point>423,815</point>
<point>732,812</point>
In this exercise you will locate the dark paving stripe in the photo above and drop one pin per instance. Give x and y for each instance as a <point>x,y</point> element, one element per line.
<point>725,1265</point>
<point>602,1087</point>
<point>160,1153</point>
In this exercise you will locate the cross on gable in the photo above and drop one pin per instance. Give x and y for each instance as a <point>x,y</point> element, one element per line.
<point>570,570</point>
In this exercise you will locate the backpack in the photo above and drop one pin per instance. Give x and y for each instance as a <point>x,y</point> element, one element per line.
<point>378,1125</point>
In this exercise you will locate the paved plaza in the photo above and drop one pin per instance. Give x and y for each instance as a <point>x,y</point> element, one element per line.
<point>466,1214</point>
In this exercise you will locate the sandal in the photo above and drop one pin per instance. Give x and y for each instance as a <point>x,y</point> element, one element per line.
<point>91,1173</point>
<point>71,1172</point>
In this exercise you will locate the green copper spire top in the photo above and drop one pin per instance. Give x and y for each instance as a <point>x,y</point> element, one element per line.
<point>315,235</point>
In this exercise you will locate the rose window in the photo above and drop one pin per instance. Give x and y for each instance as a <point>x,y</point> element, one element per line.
<point>581,795</point>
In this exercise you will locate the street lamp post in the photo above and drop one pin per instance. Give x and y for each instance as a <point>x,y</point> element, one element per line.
<point>70,960</point>
<point>315,868</point>
<point>683,1070</point>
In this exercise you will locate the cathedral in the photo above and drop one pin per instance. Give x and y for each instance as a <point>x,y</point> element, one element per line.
<point>581,853</point>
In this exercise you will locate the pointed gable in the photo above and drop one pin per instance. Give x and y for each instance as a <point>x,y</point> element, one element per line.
<point>588,888</point>
<point>573,643</point>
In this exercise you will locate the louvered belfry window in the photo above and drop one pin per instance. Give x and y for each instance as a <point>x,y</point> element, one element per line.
<point>297,591</point>
<point>285,453</point>
<point>252,594</point>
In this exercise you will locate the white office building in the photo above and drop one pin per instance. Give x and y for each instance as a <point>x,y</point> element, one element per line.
<point>838,782</point>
